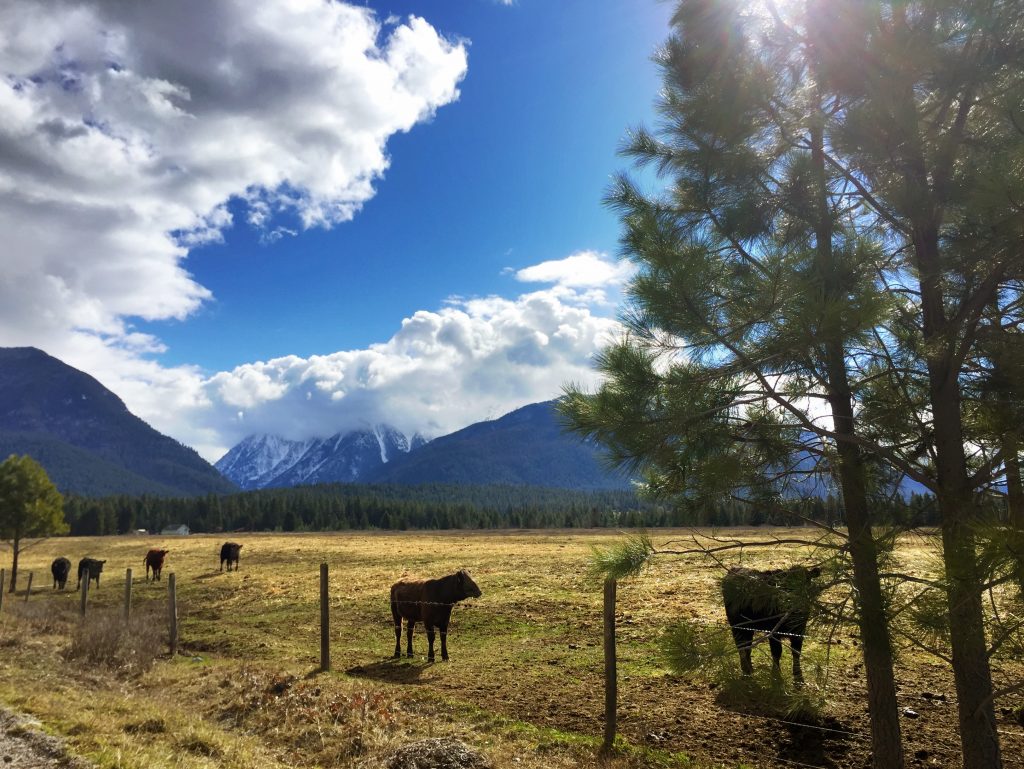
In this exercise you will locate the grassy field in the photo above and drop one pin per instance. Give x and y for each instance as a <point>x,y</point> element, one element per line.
<point>524,684</point>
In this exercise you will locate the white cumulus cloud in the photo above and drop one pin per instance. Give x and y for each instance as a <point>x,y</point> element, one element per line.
<point>583,269</point>
<point>472,359</point>
<point>126,128</point>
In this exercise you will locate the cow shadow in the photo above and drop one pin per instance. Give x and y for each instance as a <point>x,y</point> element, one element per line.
<point>212,574</point>
<point>823,746</point>
<point>808,740</point>
<point>392,671</point>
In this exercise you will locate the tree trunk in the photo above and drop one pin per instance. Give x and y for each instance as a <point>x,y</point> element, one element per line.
<point>1014,489</point>
<point>979,739</point>
<point>1015,503</point>
<point>886,739</point>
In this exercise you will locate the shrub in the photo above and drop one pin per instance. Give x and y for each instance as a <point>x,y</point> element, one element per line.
<point>104,640</point>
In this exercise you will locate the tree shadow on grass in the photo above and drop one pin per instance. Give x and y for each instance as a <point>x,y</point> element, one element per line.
<point>392,671</point>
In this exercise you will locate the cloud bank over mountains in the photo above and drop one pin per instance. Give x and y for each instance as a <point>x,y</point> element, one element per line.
<point>472,359</point>
<point>125,131</point>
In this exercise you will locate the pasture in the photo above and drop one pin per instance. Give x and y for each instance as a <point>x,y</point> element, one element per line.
<point>524,684</point>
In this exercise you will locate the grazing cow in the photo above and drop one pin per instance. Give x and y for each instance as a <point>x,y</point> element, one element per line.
<point>229,552</point>
<point>90,568</point>
<point>775,602</point>
<point>429,601</point>
<point>155,561</point>
<point>60,568</point>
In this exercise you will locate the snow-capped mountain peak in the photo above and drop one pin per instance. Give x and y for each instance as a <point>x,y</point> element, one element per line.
<point>259,461</point>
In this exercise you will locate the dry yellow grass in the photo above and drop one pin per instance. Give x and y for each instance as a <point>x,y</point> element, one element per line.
<point>524,684</point>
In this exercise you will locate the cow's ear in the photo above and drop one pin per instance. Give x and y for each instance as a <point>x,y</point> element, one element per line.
<point>462,576</point>
<point>814,572</point>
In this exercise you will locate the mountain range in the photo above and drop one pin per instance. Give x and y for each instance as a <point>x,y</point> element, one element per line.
<point>91,444</point>
<point>85,437</point>
<point>526,447</point>
<point>262,461</point>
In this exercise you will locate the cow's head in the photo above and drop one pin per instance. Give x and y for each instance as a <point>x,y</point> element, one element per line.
<point>467,585</point>
<point>163,552</point>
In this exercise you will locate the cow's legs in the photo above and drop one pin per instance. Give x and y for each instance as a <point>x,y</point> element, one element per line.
<point>398,631</point>
<point>744,638</point>
<point>796,644</point>
<point>430,643</point>
<point>776,646</point>
<point>408,635</point>
<point>444,641</point>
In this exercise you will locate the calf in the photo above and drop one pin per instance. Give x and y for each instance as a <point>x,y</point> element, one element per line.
<point>155,561</point>
<point>229,552</point>
<point>90,568</point>
<point>429,601</point>
<point>60,568</point>
<point>775,602</point>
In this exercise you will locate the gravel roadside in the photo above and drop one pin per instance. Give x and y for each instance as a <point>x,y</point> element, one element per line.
<point>24,745</point>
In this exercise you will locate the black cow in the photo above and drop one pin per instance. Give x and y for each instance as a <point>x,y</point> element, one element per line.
<point>775,602</point>
<point>429,601</point>
<point>229,552</point>
<point>60,568</point>
<point>155,561</point>
<point>90,568</point>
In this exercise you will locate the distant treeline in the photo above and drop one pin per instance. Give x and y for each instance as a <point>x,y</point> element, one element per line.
<point>332,507</point>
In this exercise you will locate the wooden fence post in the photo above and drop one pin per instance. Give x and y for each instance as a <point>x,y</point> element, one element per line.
<point>28,590</point>
<point>85,592</point>
<point>172,613</point>
<point>127,594</point>
<point>610,672</point>
<point>325,622</point>
<point>3,579</point>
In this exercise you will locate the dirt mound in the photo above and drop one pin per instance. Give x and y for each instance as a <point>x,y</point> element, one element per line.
<point>437,753</point>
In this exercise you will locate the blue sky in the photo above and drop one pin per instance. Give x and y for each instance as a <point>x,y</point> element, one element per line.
<point>302,216</point>
<point>509,175</point>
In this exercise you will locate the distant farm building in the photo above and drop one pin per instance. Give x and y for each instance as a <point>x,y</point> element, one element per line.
<point>176,529</point>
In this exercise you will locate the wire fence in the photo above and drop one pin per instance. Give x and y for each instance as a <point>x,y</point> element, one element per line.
<point>332,602</point>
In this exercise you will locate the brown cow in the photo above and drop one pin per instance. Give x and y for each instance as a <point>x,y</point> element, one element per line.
<point>155,561</point>
<point>774,602</point>
<point>429,601</point>
<point>230,552</point>
<point>60,568</point>
<point>90,568</point>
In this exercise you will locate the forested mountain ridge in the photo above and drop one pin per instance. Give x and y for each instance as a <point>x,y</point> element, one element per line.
<point>85,437</point>
<point>526,447</point>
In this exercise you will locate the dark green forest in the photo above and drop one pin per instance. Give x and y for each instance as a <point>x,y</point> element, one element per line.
<point>333,507</point>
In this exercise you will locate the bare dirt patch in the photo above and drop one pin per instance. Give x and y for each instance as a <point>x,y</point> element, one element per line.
<point>23,745</point>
